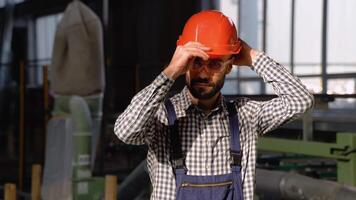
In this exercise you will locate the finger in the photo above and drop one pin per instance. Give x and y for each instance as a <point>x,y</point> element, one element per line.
<point>203,50</point>
<point>238,60</point>
<point>192,43</point>
<point>198,53</point>
<point>235,59</point>
<point>197,45</point>
<point>191,55</point>
<point>195,49</point>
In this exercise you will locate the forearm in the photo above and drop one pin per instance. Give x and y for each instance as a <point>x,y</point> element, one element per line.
<point>293,98</point>
<point>285,85</point>
<point>133,124</point>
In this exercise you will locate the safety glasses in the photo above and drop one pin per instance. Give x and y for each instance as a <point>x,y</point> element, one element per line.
<point>213,65</point>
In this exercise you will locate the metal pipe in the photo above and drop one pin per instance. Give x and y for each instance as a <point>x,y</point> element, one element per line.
<point>292,29</point>
<point>324,40</point>
<point>21,126</point>
<point>282,185</point>
<point>45,105</point>
<point>264,40</point>
<point>137,181</point>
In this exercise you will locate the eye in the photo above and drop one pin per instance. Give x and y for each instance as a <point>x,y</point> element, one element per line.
<point>197,63</point>
<point>214,64</point>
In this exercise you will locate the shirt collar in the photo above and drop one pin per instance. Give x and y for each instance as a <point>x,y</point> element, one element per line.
<point>184,103</point>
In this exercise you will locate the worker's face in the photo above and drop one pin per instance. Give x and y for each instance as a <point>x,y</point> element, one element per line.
<point>206,78</point>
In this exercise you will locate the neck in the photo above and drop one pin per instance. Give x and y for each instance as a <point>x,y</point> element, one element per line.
<point>206,104</point>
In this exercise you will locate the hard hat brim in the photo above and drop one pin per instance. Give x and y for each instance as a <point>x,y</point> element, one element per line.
<point>217,50</point>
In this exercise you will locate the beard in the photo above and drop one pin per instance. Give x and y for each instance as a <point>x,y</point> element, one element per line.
<point>207,92</point>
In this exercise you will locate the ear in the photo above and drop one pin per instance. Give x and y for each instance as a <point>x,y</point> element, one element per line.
<point>228,69</point>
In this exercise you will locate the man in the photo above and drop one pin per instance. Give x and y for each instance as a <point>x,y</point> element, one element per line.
<point>200,146</point>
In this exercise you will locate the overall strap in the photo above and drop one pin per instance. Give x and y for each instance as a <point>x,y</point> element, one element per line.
<point>235,151</point>
<point>177,155</point>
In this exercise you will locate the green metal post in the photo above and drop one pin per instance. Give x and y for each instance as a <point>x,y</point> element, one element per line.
<point>346,170</point>
<point>344,151</point>
<point>320,149</point>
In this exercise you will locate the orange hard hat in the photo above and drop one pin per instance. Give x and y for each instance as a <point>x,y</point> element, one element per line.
<point>213,29</point>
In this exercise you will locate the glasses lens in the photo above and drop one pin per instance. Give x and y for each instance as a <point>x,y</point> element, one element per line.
<point>197,63</point>
<point>213,65</point>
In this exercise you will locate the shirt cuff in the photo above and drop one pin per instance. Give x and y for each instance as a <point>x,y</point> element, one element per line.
<point>262,63</point>
<point>163,79</point>
<point>260,55</point>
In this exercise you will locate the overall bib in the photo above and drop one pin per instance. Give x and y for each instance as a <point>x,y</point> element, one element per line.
<point>218,187</point>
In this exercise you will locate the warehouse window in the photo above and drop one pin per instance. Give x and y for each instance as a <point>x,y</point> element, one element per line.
<point>278,30</point>
<point>307,37</point>
<point>313,84</point>
<point>291,31</point>
<point>341,37</point>
<point>341,86</point>
<point>44,32</point>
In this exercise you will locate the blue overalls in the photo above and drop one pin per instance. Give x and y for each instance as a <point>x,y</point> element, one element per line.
<point>218,187</point>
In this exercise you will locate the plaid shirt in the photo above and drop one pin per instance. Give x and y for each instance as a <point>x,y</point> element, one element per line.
<point>205,137</point>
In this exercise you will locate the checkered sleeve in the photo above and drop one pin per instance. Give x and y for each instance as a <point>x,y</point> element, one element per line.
<point>135,124</point>
<point>293,98</point>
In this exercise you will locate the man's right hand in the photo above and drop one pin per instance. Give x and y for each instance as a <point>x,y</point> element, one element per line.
<point>182,57</point>
<point>246,55</point>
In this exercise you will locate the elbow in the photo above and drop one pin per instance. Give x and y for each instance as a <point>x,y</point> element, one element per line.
<point>126,134</point>
<point>298,105</point>
<point>305,104</point>
<point>123,136</point>
<point>120,132</point>
<point>309,102</point>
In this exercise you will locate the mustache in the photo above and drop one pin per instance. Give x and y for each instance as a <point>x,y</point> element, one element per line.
<point>201,80</point>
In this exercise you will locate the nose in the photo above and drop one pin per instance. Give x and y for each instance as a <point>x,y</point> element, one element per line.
<point>204,71</point>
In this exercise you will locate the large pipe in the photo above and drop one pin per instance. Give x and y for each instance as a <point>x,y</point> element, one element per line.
<point>135,183</point>
<point>282,185</point>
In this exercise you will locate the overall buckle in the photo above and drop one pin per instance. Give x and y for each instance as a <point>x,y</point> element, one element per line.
<point>178,163</point>
<point>236,158</point>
